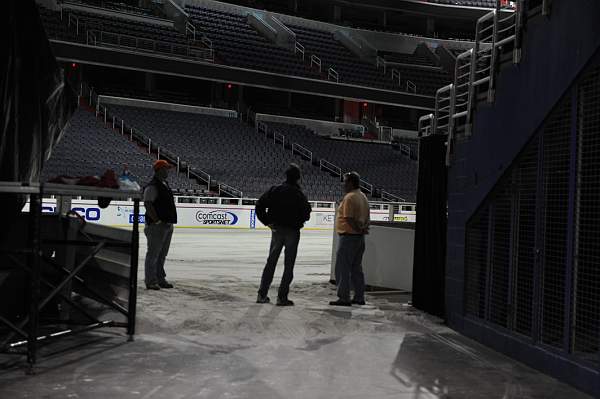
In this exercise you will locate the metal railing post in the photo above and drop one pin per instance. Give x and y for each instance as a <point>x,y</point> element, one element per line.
<point>491,94</point>
<point>122,127</point>
<point>149,145</point>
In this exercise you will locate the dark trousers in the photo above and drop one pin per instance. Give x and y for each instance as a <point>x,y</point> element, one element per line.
<point>348,267</point>
<point>280,237</point>
<point>159,240</point>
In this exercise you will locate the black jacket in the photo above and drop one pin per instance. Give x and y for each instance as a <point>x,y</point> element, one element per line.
<point>164,203</point>
<point>284,205</point>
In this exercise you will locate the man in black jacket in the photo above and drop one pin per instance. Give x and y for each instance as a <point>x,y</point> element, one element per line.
<point>284,209</point>
<point>161,215</point>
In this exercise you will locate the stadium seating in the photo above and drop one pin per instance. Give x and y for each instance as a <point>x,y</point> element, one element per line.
<point>88,148</point>
<point>378,164</point>
<point>239,44</point>
<point>112,31</point>
<point>229,150</point>
<point>353,70</point>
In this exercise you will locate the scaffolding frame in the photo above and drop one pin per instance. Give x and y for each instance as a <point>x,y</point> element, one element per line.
<point>26,332</point>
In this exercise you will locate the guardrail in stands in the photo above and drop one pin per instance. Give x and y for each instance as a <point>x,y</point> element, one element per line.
<point>405,149</point>
<point>381,62</point>
<point>391,197</point>
<point>498,33</point>
<point>93,37</point>
<point>278,137</point>
<point>72,20</point>
<point>385,133</point>
<point>332,74</point>
<point>303,151</point>
<point>234,192</point>
<point>396,75</point>
<point>90,94</point>
<point>190,29</point>
<point>462,94</point>
<point>332,168</point>
<point>366,186</point>
<point>442,120</point>
<point>425,125</point>
<point>299,48</point>
<point>261,127</point>
<point>314,60</point>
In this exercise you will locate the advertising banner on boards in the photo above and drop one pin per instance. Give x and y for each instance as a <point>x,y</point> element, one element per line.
<point>190,216</point>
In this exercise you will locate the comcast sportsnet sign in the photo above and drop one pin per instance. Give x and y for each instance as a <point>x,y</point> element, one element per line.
<point>217,218</point>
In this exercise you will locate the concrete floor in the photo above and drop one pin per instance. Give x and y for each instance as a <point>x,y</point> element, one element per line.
<point>206,338</point>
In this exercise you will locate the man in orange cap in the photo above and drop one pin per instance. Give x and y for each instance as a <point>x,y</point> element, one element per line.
<point>161,215</point>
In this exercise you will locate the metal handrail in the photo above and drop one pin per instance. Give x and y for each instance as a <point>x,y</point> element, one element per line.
<point>331,73</point>
<point>396,74</point>
<point>425,125</point>
<point>151,45</point>
<point>385,133</point>
<point>199,174</point>
<point>381,62</point>
<point>303,151</point>
<point>366,186</point>
<point>75,19</point>
<point>234,192</point>
<point>299,48</point>
<point>143,139</point>
<point>314,60</point>
<point>483,57</point>
<point>324,164</point>
<point>442,122</point>
<point>462,93</point>
<point>405,149</point>
<point>189,28</point>
<point>280,137</point>
<point>389,197</point>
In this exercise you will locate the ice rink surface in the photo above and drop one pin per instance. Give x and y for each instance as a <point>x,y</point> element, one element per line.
<point>206,338</point>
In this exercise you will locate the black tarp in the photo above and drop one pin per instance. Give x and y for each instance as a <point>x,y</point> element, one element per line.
<point>430,235</point>
<point>36,101</point>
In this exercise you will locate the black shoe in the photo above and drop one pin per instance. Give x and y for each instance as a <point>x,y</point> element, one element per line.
<point>165,284</point>
<point>262,299</point>
<point>154,287</point>
<point>339,302</point>
<point>284,302</point>
<point>356,302</point>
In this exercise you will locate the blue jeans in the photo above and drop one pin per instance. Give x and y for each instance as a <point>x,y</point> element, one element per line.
<point>159,240</point>
<point>280,237</point>
<point>348,267</point>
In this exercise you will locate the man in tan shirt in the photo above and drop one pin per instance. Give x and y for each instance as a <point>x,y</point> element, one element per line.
<point>352,224</point>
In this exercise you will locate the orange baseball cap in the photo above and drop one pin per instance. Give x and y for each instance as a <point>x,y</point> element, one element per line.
<point>161,163</point>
